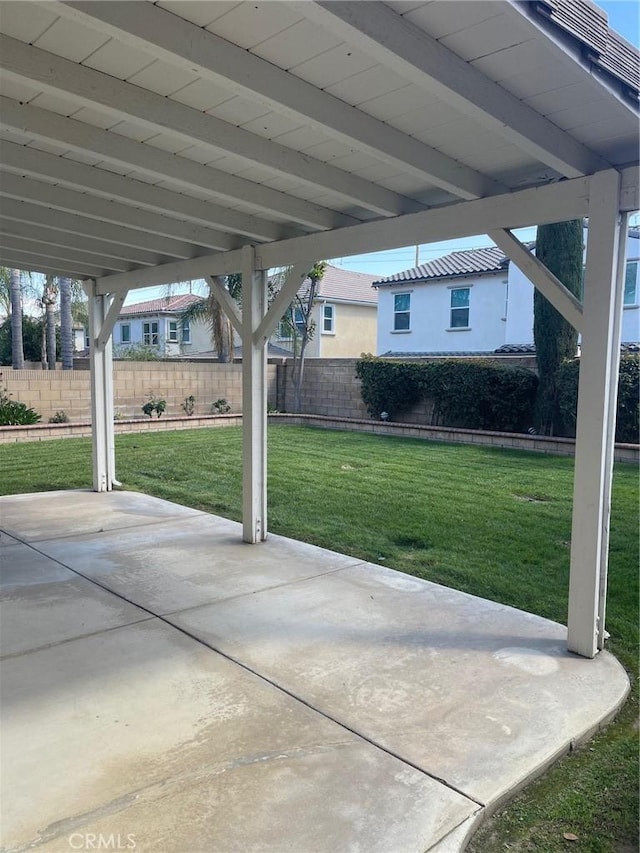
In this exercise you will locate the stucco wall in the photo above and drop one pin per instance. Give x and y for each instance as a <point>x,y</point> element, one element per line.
<point>355,331</point>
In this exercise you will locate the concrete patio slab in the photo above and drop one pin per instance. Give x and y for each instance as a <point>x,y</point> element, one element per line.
<point>475,693</point>
<point>276,697</point>
<point>185,563</point>
<point>68,513</point>
<point>141,733</point>
<point>53,602</point>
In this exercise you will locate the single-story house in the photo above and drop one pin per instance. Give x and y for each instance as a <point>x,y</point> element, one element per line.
<point>474,301</point>
<point>344,315</point>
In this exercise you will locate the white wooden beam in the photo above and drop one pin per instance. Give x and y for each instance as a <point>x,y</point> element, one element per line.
<point>568,305</point>
<point>44,236</point>
<point>101,364</point>
<point>35,215</point>
<point>72,201</point>
<point>254,402</point>
<point>595,432</point>
<point>61,253</point>
<point>220,292</point>
<point>80,137</point>
<point>112,314</point>
<point>21,160</point>
<point>38,261</point>
<point>551,203</point>
<point>8,260</point>
<point>188,46</point>
<point>94,89</point>
<point>295,276</point>
<point>402,46</point>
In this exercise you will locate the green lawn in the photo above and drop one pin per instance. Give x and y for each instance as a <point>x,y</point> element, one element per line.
<point>493,523</point>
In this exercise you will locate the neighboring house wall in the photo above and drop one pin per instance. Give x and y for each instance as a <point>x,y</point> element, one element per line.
<point>162,330</point>
<point>500,311</point>
<point>354,330</point>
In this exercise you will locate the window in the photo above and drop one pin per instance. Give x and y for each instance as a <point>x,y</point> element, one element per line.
<point>631,284</point>
<point>401,312</point>
<point>172,335</point>
<point>186,332</point>
<point>460,308</point>
<point>150,334</point>
<point>125,333</point>
<point>328,318</point>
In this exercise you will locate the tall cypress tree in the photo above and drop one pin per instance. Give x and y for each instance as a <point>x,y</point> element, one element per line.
<point>559,246</point>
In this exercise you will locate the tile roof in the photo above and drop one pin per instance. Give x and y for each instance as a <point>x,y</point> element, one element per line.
<point>346,285</point>
<point>165,305</point>
<point>466,262</point>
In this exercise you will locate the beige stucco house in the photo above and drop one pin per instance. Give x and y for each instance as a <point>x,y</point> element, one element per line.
<point>344,315</point>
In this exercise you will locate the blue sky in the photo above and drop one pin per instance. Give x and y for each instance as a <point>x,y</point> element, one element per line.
<point>624,16</point>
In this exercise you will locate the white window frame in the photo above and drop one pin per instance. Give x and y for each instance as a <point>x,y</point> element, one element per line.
<point>399,329</point>
<point>331,318</point>
<point>186,331</point>
<point>459,308</point>
<point>126,326</point>
<point>150,337</point>
<point>172,331</point>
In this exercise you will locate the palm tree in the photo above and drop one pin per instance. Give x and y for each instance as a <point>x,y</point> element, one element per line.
<point>15,291</point>
<point>209,311</point>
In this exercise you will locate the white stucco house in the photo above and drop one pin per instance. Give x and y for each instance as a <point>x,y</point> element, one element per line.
<point>160,325</point>
<point>475,301</point>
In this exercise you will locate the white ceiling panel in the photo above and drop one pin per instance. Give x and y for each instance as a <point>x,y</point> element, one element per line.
<point>95,117</point>
<point>198,12</point>
<point>49,147</point>
<point>29,27</point>
<point>441,19</point>
<point>17,89</point>
<point>272,125</point>
<point>298,44</point>
<point>70,39</point>
<point>497,33</point>
<point>546,77</point>
<point>408,99</point>
<point>575,116</point>
<point>118,59</point>
<point>162,78</point>
<point>168,142</point>
<point>301,138</point>
<point>201,154</point>
<point>249,24</point>
<point>239,110</point>
<point>83,157</point>
<point>339,63</point>
<point>57,103</point>
<point>202,95</point>
<point>332,150</point>
<point>503,64</point>
<point>372,82</point>
<point>133,131</point>
<point>563,98</point>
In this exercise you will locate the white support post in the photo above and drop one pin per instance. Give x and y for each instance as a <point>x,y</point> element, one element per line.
<point>254,401</point>
<point>602,308</point>
<point>103,313</point>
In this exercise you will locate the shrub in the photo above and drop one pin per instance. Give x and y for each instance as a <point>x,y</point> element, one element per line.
<point>31,339</point>
<point>154,404</point>
<point>136,352</point>
<point>220,407</point>
<point>13,413</point>
<point>628,406</point>
<point>60,417</point>
<point>189,405</point>
<point>474,394</point>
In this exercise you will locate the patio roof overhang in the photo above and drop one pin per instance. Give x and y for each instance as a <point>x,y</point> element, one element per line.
<point>145,143</point>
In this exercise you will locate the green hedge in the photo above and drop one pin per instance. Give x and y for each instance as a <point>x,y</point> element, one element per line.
<point>628,417</point>
<point>474,394</point>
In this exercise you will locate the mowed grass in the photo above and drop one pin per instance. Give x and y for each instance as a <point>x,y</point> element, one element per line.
<point>493,523</point>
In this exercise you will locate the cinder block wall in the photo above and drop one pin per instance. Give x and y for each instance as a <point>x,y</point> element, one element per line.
<point>69,390</point>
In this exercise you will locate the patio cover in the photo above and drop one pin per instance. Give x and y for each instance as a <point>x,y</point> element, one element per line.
<point>144,144</point>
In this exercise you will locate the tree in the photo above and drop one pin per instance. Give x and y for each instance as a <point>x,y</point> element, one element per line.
<point>49,300</point>
<point>209,311</point>
<point>17,350</point>
<point>300,325</point>
<point>66,323</point>
<point>559,246</point>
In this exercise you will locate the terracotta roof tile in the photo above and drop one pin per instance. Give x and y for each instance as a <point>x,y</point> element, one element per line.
<point>165,305</point>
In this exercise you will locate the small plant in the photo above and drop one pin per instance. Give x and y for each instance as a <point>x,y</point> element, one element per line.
<point>154,404</point>
<point>189,405</point>
<point>60,417</point>
<point>220,407</point>
<point>136,352</point>
<point>117,415</point>
<point>13,413</point>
